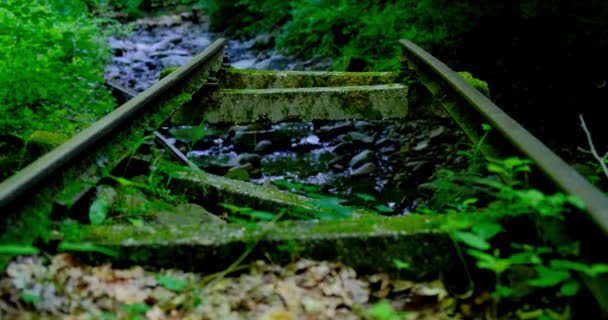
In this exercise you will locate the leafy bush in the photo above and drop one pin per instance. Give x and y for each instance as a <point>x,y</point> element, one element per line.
<point>246,17</point>
<point>52,56</point>
<point>360,35</point>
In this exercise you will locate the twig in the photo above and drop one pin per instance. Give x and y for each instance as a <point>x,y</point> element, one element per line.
<point>592,150</point>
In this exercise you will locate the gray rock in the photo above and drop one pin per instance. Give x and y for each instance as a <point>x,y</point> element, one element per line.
<point>365,169</point>
<point>240,172</point>
<point>358,137</point>
<point>361,158</point>
<point>263,147</point>
<point>243,64</point>
<point>173,61</point>
<point>331,132</point>
<point>344,148</point>
<point>253,158</point>
<point>245,140</point>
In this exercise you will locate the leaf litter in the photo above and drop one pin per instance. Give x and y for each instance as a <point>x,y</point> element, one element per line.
<point>62,287</point>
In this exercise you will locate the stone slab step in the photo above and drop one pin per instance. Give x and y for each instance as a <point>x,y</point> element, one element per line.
<point>263,79</point>
<point>376,102</point>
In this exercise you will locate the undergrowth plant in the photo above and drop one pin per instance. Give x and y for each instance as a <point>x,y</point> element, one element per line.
<point>52,55</point>
<point>520,269</point>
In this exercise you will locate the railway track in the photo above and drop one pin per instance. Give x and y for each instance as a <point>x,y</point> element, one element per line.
<point>69,180</point>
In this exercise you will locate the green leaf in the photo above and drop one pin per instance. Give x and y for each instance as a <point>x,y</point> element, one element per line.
<point>569,288</point>
<point>472,240</point>
<point>136,307</point>
<point>31,298</point>
<point>571,265</point>
<point>490,262</point>
<point>383,208</point>
<point>190,134</point>
<point>486,127</point>
<point>492,167</point>
<point>548,277</point>
<point>365,197</point>
<point>171,283</point>
<point>576,201</point>
<point>503,292</point>
<point>486,230</point>
<point>235,209</point>
<point>136,222</point>
<point>98,212</point>
<point>401,265</point>
<point>86,247</point>
<point>526,257</point>
<point>599,268</point>
<point>17,250</point>
<point>261,215</point>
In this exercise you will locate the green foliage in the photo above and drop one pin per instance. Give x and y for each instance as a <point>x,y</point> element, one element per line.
<point>383,310</point>
<point>358,34</point>
<point>52,56</point>
<point>17,250</point>
<point>98,212</point>
<point>172,283</point>
<point>246,17</point>
<point>85,247</point>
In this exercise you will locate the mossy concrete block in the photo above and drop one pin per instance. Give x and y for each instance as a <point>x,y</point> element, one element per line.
<point>369,244</point>
<point>211,189</point>
<point>304,104</point>
<point>262,79</point>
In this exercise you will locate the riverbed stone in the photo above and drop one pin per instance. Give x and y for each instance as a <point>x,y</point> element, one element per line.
<point>365,169</point>
<point>253,158</point>
<point>240,172</point>
<point>332,131</point>
<point>263,147</point>
<point>361,158</point>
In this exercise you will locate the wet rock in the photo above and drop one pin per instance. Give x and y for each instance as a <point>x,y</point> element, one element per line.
<point>240,172</point>
<point>388,150</point>
<point>344,148</point>
<point>365,169</point>
<point>306,144</point>
<point>358,138</point>
<point>245,140</point>
<point>218,168</point>
<point>363,126</point>
<point>252,158</point>
<point>330,132</point>
<point>385,142</point>
<point>243,64</point>
<point>174,61</point>
<point>361,158</point>
<point>263,147</point>
<point>437,131</point>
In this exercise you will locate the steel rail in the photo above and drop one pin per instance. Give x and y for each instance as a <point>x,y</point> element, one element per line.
<point>36,172</point>
<point>551,165</point>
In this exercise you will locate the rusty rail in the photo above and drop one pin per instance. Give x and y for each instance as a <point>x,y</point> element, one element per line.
<point>551,165</point>
<point>37,171</point>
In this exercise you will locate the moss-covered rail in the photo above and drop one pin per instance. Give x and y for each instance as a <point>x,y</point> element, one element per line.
<point>73,179</point>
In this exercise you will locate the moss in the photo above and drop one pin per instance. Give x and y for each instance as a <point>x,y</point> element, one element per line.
<point>478,84</point>
<point>304,104</point>
<point>166,71</point>
<point>263,79</point>
<point>27,221</point>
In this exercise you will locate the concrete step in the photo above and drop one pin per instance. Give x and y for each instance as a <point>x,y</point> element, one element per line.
<point>264,79</point>
<point>388,101</point>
